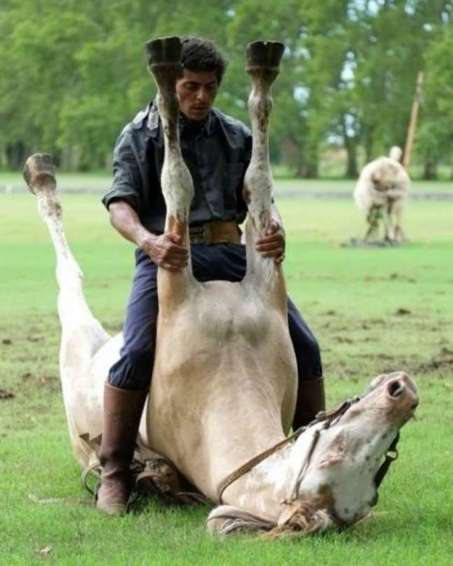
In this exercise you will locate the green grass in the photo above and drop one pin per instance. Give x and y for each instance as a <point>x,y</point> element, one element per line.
<point>373,310</point>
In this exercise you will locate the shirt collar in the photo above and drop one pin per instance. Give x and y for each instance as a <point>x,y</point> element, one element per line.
<point>207,126</point>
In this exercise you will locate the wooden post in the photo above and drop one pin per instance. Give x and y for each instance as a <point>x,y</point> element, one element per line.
<point>413,122</point>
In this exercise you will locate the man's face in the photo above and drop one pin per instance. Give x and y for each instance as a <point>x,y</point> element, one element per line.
<point>196,91</point>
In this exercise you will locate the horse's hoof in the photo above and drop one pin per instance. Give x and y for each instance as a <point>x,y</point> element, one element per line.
<point>265,55</point>
<point>39,170</point>
<point>164,51</point>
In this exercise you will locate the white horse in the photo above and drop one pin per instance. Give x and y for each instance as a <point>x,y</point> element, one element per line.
<point>381,193</point>
<point>224,381</point>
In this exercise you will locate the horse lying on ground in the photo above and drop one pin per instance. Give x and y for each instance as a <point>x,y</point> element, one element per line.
<point>381,193</point>
<point>224,381</point>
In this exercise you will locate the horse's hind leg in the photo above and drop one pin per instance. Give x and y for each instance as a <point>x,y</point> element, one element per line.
<point>398,216</point>
<point>82,334</point>
<point>77,322</point>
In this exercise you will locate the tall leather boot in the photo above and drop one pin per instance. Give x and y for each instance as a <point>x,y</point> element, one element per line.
<point>310,400</point>
<point>122,412</point>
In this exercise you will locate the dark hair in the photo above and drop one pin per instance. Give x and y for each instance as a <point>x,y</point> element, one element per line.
<point>200,54</point>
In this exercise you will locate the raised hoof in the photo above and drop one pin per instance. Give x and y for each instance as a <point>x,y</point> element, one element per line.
<point>264,55</point>
<point>164,51</point>
<point>39,170</point>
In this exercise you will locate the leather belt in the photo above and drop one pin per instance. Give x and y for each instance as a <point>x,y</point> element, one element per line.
<point>215,232</point>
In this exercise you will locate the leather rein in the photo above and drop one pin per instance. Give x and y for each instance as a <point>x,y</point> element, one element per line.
<point>328,418</point>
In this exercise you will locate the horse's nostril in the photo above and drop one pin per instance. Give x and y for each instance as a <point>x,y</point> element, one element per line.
<point>395,389</point>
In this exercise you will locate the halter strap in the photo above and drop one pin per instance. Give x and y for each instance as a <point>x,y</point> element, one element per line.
<point>390,456</point>
<point>250,464</point>
<point>328,418</point>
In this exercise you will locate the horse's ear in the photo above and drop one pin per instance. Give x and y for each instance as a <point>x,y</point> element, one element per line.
<point>301,518</point>
<point>227,520</point>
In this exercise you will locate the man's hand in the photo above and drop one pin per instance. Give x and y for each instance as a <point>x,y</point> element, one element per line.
<point>273,243</point>
<point>166,251</point>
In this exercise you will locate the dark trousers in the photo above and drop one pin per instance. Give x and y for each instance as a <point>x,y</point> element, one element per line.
<point>225,262</point>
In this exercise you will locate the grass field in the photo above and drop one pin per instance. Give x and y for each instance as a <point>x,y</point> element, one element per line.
<point>100,182</point>
<point>373,310</point>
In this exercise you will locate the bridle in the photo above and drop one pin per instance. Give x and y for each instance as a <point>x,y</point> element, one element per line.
<point>327,418</point>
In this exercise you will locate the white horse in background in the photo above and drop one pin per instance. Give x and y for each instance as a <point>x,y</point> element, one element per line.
<point>381,193</point>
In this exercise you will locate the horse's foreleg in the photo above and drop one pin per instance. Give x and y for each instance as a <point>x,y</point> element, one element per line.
<point>373,218</point>
<point>177,186</point>
<point>263,59</point>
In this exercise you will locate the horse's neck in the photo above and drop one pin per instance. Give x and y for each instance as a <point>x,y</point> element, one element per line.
<point>262,490</point>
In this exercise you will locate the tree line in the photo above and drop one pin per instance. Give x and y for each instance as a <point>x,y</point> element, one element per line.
<point>74,72</point>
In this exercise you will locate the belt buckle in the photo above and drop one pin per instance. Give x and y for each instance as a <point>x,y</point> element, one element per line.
<point>198,234</point>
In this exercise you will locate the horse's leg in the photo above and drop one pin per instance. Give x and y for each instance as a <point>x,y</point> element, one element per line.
<point>399,232</point>
<point>82,334</point>
<point>177,186</point>
<point>373,218</point>
<point>263,59</point>
<point>389,221</point>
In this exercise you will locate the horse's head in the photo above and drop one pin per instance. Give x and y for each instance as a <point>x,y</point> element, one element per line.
<point>338,462</point>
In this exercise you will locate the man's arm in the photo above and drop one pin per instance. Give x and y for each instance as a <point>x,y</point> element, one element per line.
<point>123,201</point>
<point>273,243</point>
<point>165,250</point>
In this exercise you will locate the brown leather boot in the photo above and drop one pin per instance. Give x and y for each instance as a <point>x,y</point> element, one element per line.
<point>122,413</point>
<point>310,400</point>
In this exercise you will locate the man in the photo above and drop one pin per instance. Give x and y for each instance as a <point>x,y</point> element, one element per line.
<point>217,149</point>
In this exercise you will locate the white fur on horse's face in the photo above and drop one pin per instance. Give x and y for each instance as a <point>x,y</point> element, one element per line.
<point>348,454</point>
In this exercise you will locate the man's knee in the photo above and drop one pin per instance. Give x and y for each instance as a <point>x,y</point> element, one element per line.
<point>133,370</point>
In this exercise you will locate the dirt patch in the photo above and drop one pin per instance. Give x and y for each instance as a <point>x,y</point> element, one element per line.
<point>51,382</point>
<point>442,362</point>
<point>400,277</point>
<point>402,312</point>
<point>392,277</point>
<point>377,321</point>
<point>358,243</point>
<point>4,394</point>
<point>343,339</point>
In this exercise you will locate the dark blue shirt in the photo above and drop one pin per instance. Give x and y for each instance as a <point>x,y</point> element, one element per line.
<point>217,152</point>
